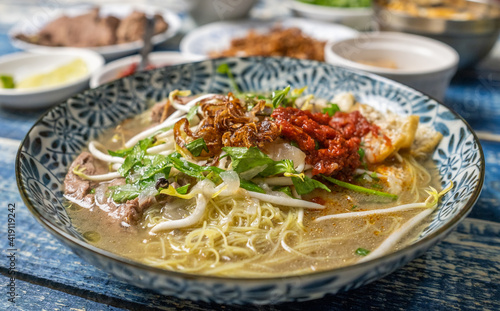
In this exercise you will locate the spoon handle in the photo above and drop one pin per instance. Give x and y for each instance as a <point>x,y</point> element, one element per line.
<point>148,46</point>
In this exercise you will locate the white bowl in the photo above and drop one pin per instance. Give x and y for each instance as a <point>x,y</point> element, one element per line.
<point>358,18</point>
<point>422,63</point>
<point>31,26</point>
<point>112,70</point>
<point>217,36</point>
<point>24,64</point>
<point>204,12</point>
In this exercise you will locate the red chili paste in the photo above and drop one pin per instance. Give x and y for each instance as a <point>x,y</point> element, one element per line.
<point>331,144</point>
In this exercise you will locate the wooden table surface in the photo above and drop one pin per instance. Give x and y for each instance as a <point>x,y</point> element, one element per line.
<point>460,273</point>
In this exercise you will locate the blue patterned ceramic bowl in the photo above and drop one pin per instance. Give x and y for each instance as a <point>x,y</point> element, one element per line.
<point>62,132</point>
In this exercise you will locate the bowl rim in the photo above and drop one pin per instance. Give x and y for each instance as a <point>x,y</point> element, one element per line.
<point>245,25</point>
<point>489,3</point>
<point>440,232</point>
<point>87,56</point>
<point>95,78</point>
<point>431,44</point>
<point>326,10</point>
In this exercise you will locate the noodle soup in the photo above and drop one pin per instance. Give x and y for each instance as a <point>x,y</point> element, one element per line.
<point>255,185</point>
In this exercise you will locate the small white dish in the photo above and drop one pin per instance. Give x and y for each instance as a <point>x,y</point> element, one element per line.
<point>358,18</point>
<point>422,63</point>
<point>24,64</point>
<point>113,70</point>
<point>204,12</point>
<point>31,27</point>
<point>216,37</point>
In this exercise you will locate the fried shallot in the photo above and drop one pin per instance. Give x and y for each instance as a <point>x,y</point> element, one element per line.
<point>227,123</point>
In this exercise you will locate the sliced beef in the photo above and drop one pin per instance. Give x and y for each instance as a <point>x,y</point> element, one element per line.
<point>79,189</point>
<point>92,29</point>
<point>80,31</point>
<point>131,211</point>
<point>132,27</point>
<point>75,186</point>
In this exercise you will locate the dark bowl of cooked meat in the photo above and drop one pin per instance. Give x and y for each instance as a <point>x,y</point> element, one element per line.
<point>110,30</point>
<point>250,180</point>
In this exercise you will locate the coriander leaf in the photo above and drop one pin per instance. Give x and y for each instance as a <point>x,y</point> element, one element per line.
<point>250,186</point>
<point>156,164</point>
<point>278,167</point>
<point>285,190</point>
<point>279,96</point>
<point>125,192</point>
<point>362,252</point>
<point>145,182</point>
<point>331,109</point>
<point>136,156</point>
<point>183,189</point>
<point>197,146</point>
<point>307,185</point>
<point>244,159</point>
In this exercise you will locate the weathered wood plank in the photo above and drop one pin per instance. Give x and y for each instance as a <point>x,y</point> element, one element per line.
<point>488,205</point>
<point>33,297</point>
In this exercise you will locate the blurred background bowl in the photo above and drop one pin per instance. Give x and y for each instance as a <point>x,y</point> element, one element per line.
<point>422,63</point>
<point>358,18</point>
<point>208,11</point>
<point>473,39</point>
<point>109,52</point>
<point>25,64</point>
<point>116,69</point>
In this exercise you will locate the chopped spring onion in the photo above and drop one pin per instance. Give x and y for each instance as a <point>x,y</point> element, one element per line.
<point>362,251</point>
<point>359,188</point>
<point>279,96</point>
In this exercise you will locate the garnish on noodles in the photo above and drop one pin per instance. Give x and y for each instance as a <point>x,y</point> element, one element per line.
<point>256,185</point>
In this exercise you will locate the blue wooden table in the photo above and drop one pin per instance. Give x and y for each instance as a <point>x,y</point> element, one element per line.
<point>460,273</point>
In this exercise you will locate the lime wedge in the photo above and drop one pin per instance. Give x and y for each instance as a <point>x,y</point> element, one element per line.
<point>7,82</point>
<point>61,75</point>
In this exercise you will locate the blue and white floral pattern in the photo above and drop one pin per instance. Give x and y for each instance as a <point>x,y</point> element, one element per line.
<point>64,131</point>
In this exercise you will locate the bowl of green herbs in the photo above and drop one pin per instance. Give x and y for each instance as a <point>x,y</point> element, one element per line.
<point>352,13</point>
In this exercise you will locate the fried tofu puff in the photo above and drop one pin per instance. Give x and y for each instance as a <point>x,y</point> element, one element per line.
<point>396,132</point>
